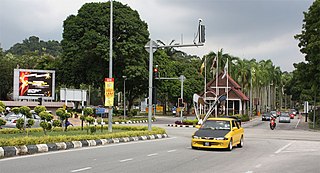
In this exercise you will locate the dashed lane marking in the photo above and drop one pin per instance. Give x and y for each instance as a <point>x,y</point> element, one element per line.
<point>153,154</point>
<point>170,151</point>
<point>81,169</point>
<point>125,160</point>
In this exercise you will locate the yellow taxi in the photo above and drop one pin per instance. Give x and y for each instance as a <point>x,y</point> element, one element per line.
<point>218,133</point>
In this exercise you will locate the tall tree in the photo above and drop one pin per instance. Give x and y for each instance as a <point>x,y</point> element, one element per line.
<point>310,45</point>
<point>86,48</point>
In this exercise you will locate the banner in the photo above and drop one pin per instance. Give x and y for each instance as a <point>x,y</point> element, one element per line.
<point>109,91</point>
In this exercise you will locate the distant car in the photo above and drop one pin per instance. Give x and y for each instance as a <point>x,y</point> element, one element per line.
<point>12,118</point>
<point>265,116</point>
<point>291,116</point>
<point>293,112</point>
<point>274,113</point>
<point>284,117</point>
<point>218,133</point>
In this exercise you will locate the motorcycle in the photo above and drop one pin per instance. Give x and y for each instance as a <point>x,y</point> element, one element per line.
<point>272,123</point>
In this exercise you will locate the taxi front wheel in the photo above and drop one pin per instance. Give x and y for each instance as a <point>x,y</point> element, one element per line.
<point>230,146</point>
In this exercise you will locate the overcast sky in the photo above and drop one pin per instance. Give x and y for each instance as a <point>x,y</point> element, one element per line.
<point>260,29</point>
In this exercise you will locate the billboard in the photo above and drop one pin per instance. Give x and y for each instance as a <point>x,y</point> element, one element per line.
<point>32,84</point>
<point>73,94</point>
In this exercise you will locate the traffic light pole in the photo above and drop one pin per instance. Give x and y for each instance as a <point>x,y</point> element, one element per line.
<point>151,47</point>
<point>181,78</point>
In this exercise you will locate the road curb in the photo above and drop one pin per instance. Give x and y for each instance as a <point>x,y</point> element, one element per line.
<point>132,122</point>
<point>177,125</point>
<point>10,151</point>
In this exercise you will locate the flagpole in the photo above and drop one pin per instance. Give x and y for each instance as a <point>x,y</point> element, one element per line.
<point>205,76</point>
<point>227,88</point>
<point>217,74</point>
<point>205,82</point>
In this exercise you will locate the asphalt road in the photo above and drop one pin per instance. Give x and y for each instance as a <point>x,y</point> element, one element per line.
<point>288,148</point>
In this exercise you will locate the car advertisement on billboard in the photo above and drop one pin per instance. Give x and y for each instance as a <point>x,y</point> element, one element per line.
<point>34,83</point>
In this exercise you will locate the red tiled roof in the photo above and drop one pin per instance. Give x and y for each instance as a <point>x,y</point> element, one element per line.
<point>232,83</point>
<point>240,94</point>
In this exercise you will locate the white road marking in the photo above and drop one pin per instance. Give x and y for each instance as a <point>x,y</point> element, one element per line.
<point>249,172</point>
<point>154,154</point>
<point>297,123</point>
<point>81,169</point>
<point>125,160</point>
<point>300,151</point>
<point>258,166</point>
<point>284,147</point>
<point>171,151</point>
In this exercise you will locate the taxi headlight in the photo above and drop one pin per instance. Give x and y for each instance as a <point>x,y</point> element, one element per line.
<point>221,138</point>
<point>195,137</point>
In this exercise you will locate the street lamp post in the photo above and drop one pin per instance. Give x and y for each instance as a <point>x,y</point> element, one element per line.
<point>110,65</point>
<point>124,96</point>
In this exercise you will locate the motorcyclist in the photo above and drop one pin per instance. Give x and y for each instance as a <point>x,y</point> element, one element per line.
<point>272,121</point>
<point>272,116</point>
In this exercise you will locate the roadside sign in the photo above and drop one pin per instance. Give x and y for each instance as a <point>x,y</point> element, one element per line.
<point>100,110</point>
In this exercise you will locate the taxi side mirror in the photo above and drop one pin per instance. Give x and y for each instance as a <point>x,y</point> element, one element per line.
<point>198,126</point>
<point>234,128</point>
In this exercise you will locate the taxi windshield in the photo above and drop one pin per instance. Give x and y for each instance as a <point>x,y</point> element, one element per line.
<point>216,125</point>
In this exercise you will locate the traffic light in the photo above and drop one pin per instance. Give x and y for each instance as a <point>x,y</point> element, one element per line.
<point>202,35</point>
<point>180,103</point>
<point>154,95</point>
<point>155,73</point>
<point>40,101</point>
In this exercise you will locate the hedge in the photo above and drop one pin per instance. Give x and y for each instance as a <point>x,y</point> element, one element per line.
<point>131,131</point>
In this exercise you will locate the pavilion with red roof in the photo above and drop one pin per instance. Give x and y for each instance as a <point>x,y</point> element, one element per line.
<point>237,100</point>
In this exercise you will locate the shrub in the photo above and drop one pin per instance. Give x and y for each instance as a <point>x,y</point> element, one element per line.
<point>190,122</point>
<point>132,113</point>
<point>39,109</point>
<point>25,110</point>
<point>15,110</point>
<point>90,119</point>
<point>56,123</point>
<point>245,117</point>
<point>30,123</point>
<point>20,123</point>
<point>2,122</point>
<point>2,105</point>
<point>93,129</point>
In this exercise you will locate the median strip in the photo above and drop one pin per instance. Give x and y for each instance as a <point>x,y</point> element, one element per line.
<point>10,151</point>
